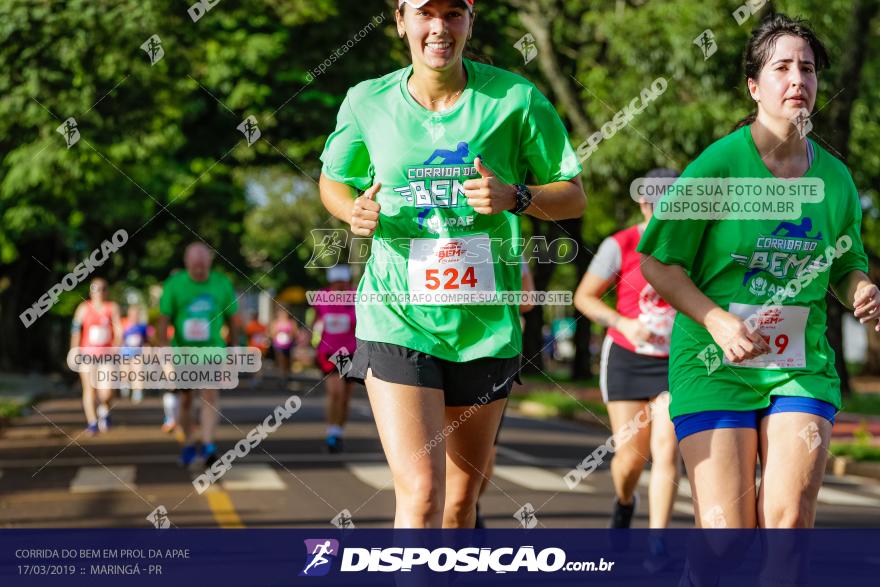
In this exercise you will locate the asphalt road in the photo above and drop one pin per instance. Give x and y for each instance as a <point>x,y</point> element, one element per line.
<point>52,475</point>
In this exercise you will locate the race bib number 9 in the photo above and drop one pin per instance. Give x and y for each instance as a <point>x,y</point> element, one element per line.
<point>783,328</point>
<point>451,270</point>
<point>196,329</point>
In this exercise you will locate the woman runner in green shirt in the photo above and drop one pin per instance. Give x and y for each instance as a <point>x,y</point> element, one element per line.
<point>437,364</point>
<point>751,372</point>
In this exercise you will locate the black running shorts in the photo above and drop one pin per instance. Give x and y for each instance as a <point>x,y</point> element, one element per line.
<point>464,384</point>
<point>625,375</point>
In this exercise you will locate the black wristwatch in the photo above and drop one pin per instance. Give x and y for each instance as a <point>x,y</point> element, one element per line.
<point>523,198</point>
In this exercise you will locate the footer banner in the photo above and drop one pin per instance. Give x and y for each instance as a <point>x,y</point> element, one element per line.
<point>270,557</point>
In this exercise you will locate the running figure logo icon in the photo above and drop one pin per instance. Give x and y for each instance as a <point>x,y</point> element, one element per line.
<point>328,248</point>
<point>153,48</point>
<point>527,46</point>
<point>69,131</point>
<point>706,42</point>
<point>802,122</point>
<point>343,520</point>
<point>319,556</point>
<point>342,360</point>
<point>450,157</point>
<point>714,518</point>
<point>811,436</point>
<point>250,130</point>
<point>159,518</point>
<point>526,516</point>
<point>711,358</point>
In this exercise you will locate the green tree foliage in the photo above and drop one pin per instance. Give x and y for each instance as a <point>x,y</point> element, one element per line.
<point>160,154</point>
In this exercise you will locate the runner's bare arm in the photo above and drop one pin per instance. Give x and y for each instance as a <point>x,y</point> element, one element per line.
<point>341,200</point>
<point>861,295</point>
<point>587,299</point>
<point>76,327</point>
<point>729,331</point>
<point>845,289</point>
<point>553,201</point>
<point>559,200</point>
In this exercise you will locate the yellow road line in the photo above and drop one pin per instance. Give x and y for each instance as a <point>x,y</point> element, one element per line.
<point>222,508</point>
<point>218,500</point>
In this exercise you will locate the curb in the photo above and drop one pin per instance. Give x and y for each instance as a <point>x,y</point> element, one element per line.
<point>840,466</point>
<point>541,411</point>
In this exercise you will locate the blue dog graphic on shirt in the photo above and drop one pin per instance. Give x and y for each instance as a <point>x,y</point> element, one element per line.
<point>448,157</point>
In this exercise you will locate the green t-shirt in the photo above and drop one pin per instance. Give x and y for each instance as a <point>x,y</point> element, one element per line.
<point>740,265</point>
<point>429,242</point>
<point>198,308</point>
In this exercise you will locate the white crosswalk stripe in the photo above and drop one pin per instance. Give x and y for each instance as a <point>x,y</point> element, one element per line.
<point>376,475</point>
<point>538,479</point>
<point>265,477</point>
<point>684,488</point>
<point>98,478</point>
<point>684,507</point>
<point>827,495</point>
<point>256,477</point>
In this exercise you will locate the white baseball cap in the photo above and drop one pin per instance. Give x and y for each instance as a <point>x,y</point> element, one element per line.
<point>420,3</point>
<point>339,273</point>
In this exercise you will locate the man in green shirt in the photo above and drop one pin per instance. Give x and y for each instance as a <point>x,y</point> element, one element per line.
<point>197,302</point>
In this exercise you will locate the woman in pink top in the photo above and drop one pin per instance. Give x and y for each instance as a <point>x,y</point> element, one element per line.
<point>335,350</point>
<point>283,332</point>
<point>96,326</point>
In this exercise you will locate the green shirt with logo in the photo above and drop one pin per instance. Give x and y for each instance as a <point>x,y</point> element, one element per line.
<point>197,309</point>
<point>774,272</point>
<point>430,243</point>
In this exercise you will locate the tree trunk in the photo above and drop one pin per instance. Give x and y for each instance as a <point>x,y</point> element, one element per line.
<point>533,334</point>
<point>536,17</point>
<point>582,365</point>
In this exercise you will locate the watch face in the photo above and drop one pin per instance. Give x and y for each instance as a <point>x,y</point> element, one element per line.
<point>523,198</point>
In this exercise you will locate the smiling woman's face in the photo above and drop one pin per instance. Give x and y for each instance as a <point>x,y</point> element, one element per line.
<point>787,82</point>
<point>437,32</point>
